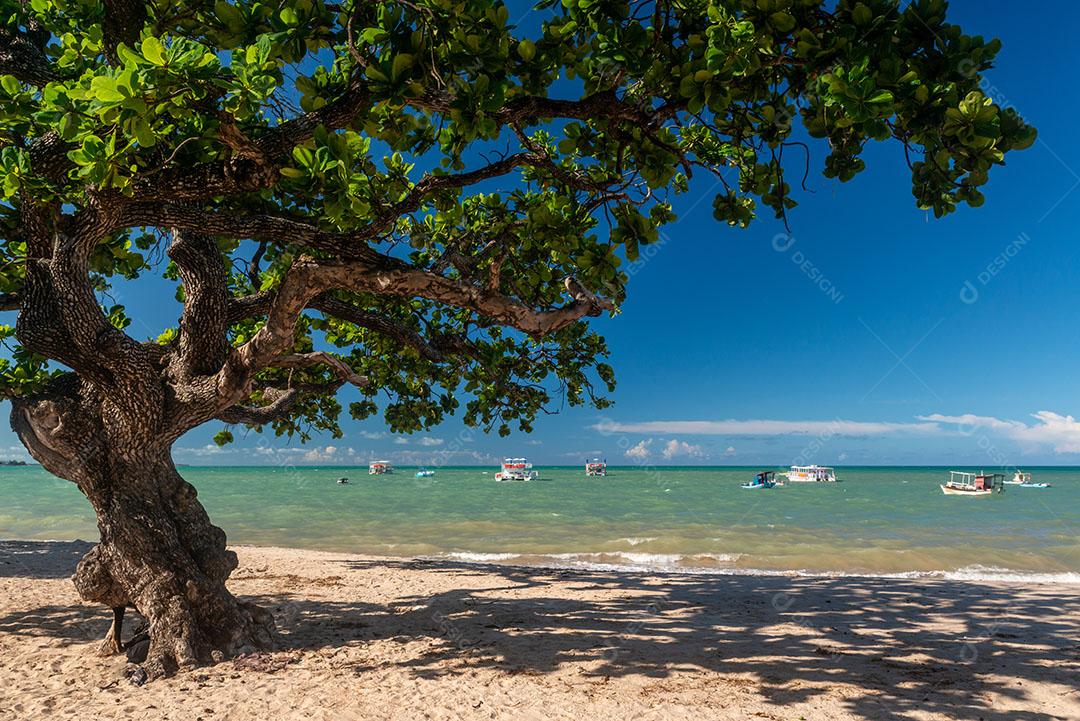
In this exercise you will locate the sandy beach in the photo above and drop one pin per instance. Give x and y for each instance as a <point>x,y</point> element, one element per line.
<point>372,638</point>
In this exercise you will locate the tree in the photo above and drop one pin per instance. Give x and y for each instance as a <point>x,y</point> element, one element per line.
<point>415,197</point>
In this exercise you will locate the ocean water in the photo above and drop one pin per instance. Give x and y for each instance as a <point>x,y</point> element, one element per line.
<point>876,521</point>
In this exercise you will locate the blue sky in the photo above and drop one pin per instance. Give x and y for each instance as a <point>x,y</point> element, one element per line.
<point>871,334</point>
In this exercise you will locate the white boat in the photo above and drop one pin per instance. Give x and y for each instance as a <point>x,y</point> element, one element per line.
<point>811,474</point>
<point>424,473</point>
<point>596,467</point>
<point>516,469</point>
<point>1019,478</point>
<point>973,484</point>
<point>1024,481</point>
<point>379,468</point>
<point>343,480</point>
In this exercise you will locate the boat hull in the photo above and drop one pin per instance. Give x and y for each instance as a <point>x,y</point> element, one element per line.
<point>951,491</point>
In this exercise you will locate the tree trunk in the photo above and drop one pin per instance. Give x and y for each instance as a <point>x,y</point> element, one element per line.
<point>159,553</point>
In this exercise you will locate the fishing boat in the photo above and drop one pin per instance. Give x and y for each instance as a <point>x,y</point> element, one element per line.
<point>516,469</point>
<point>1024,481</point>
<point>1019,478</point>
<point>811,474</point>
<point>596,467</point>
<point>343,480</point>
<point>379,468</point>
<point>973,484</point>
<point>764,479</point>
<point>424,473</point>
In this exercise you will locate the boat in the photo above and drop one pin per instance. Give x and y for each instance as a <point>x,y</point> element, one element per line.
<point>811,474</point>
<point>764,479</point>
<point>1024,481</point>
<point>1019,478</point>
<point>424,473</point>
<point>379,468</point>
<point>516,469</point>
<point>596,467</point>
<point>343,480</point>
<point>973,484</point>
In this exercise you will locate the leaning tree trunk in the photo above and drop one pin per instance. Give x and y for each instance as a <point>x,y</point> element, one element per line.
<point>159,553</point>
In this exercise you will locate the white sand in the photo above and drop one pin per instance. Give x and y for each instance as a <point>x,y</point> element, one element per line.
<point>364,638</point>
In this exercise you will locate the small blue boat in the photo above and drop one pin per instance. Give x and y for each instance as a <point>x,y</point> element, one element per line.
<point>764,479</point>
<point>1034,485</point>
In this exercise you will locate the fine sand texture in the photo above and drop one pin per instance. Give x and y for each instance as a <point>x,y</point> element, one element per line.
<point>371,638</point>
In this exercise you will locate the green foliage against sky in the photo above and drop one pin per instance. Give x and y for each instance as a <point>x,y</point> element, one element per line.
<point>444,135</point>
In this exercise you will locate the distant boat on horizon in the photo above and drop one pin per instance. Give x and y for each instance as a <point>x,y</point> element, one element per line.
<point>811,474</point>
<point>516,469</point>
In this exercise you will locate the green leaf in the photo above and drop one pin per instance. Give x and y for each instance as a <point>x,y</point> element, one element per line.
<point>862,15</point>
<point>783,22</point>
<point>103,88</point>
<point>401,63</point>
<point>153,50</point>
<point>527,50</point>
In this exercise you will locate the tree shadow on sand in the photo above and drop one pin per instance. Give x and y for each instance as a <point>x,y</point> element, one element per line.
<point>788,638</point>
<point>909,647</point>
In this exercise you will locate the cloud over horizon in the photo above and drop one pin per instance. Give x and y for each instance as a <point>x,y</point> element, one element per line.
<point>1060,432</point>
<point>765,427</point>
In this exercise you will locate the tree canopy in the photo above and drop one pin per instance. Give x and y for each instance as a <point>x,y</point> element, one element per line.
<point>423,197</point>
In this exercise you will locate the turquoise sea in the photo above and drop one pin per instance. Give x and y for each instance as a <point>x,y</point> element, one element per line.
<point>877,520</point>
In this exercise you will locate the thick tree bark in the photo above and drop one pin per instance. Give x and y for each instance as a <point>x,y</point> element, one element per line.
<point>159,553</point>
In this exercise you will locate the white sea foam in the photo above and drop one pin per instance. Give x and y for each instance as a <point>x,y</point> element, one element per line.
<point>723,564</point>
<point>635,541</point>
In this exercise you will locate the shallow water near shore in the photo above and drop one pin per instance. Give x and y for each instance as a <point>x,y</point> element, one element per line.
<point>876,521</point>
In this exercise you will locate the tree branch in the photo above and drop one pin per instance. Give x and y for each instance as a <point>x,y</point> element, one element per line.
<point>204,322</point>
<point>309,360</point>
<point>22,55</point>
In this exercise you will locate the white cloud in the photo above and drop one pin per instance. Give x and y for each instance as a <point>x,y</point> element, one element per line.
<point>676,448</point>
<point>641,451</point>
<point>429,441</point>
<point>320,455</point>
<point>1062,432</point>
<point>729,451</point>
<point>837,427</point>
<point>210,449</point>
<point>373,435</point>
<point>401,441</point>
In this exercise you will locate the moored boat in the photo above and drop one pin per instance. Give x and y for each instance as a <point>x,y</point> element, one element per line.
<point>1019,478</point>
<point>596,467</point>
<point>1024,480</point>
<point>516,469</point>
<point>811,474</point>
<point>379,468</point>
<point>973,484</point>
<point>762,480</point>
<point>424,473</point>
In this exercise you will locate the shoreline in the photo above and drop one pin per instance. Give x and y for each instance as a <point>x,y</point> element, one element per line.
<point>365,637</point>
<point>574,562</point>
